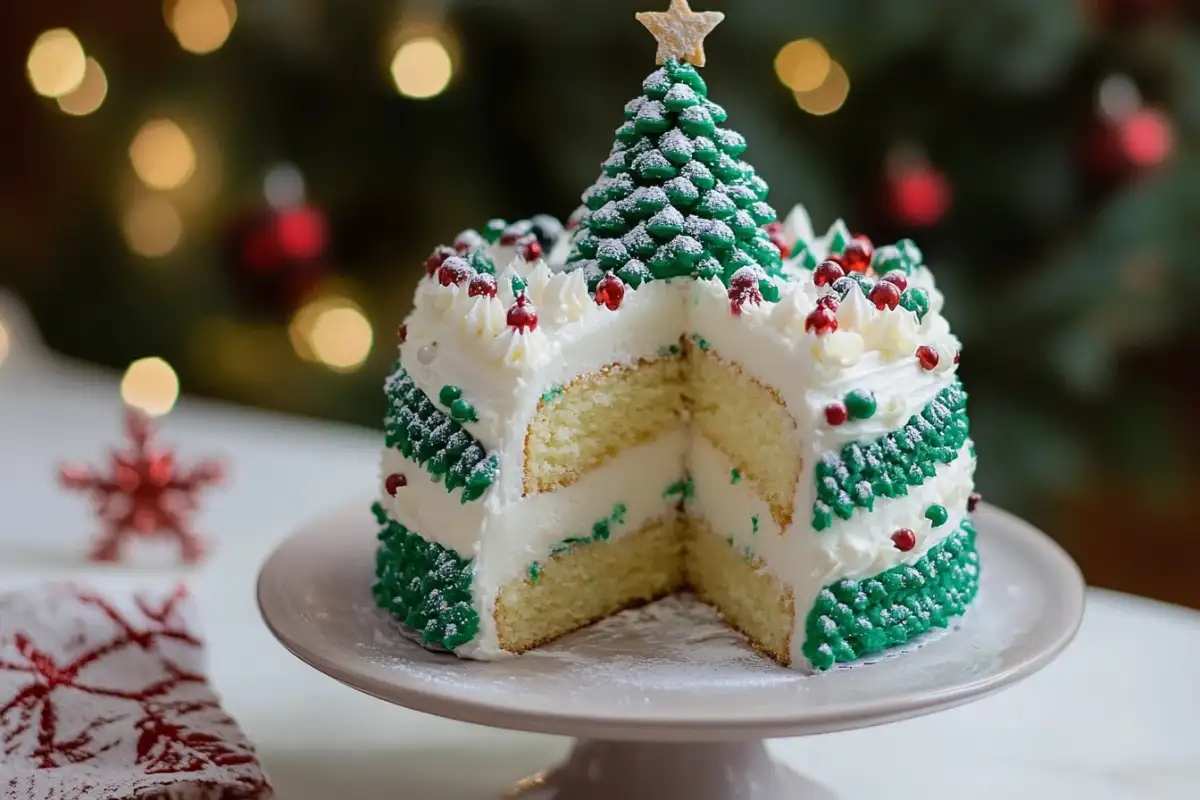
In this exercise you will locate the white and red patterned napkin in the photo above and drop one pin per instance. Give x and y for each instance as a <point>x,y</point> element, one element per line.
<point>104,697</point>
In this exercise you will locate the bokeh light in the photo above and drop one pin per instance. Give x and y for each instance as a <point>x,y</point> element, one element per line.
<point>56,63</point>
<point>201,26</point>
<point>1118,97</point>
<point>332,331</point>
<point>829,96</point>
<point>921,195</point>
<point>150,385</point>
<point>1147,137</point>
<point>162,154</point>
<point>152,227</point>
<point>89,94</point>
<point>802,65</point>
<point>283,186</point>
<point>422,67</point>
<point>5,343</point>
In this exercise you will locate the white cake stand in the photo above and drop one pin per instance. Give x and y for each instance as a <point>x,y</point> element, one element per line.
<point>667,703</point>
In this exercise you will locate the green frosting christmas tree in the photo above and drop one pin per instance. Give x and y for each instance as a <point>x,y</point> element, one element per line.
<point>675,199</point>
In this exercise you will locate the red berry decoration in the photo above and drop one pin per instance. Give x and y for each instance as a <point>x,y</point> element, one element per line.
<point>402,334</point>
<point>973,501</point>
<point>821,321</point>
<point>828,301</point>
<point>927,356</point>
<point>957,356</point>
<point>775,233</point>
<point>394,482</point>
<point>744,278</point>
<point>531,250</point>
<point>884,295</point>
<point>482,284</point>
<point>896,278</point>
<point>864,239</point>
<point>836,413</point>
<point>857,256</point>
<point>454,270</point>
<point>436,258</point>
<point>827,272</point>
<point>522,315</point>
<point>610,292</point>
<point>904,539</point>
<point>738,298</point>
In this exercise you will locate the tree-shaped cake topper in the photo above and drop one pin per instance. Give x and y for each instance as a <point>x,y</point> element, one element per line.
<point>675,199</point>
<point>680,31</point>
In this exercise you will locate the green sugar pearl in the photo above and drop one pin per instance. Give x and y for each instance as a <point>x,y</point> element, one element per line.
<point>937,515</point>
<point>449,394</point>
<point>860,404</point>
<point>462,411</point>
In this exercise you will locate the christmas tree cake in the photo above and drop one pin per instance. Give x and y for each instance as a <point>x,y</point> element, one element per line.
<point>676,391</point>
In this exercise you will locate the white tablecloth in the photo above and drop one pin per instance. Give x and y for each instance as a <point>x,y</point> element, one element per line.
<point>1118,716</point>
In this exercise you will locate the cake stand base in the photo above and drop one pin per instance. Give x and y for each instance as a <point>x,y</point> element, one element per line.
<point>602,770</point>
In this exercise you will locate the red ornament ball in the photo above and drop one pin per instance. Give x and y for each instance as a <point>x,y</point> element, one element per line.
<point>896,278</point>
<point>820,321</point>
<point>394,482</point>
<point>884,295</point>
<point>973,501</point>
<point>857,256</point>
<point>827,272</point>
<point>610,292</point>
<point>482,284</point>
<point>402,334</point>
<point>836,413</point>
<point>454,270</point>
<point>828,301</point>
<point>904,540</point>
<point>531,250</point>
<point>439,255</point>
<point>927,356</point>
<point>522,315</point>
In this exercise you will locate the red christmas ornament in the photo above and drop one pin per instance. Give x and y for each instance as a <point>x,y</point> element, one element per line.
<point>896,278</point>
<point>610,291</point>
<point>394,482</point>
<point>775,233</point>
<point>973,501</point>
<point>884,295</point>
<point>522,315</point>
<point>437,257</point>
<point>821,321</point>
<point>454,270</point>
<point>146,496</point>
<point>402,334</point>
<point>531,250</point>
<point>904,540</point>
<point>927,356</point>
<point>836,413</point>
<point>857,256</point>
<point>827,272</point>
<point>482,284</point>
<point>829,301</point>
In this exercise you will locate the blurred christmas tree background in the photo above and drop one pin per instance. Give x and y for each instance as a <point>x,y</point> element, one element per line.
<point>246,190</point>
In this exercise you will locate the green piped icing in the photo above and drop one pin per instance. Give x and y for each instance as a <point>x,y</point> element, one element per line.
<point>601,531</point>
<point>433,439</point>
<point>682,489</point>
<point>851,619</point>
<point>861,471</point>
<point>425,585</point>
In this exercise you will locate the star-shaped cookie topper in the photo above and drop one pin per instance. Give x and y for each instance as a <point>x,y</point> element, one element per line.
<point>680,31</point>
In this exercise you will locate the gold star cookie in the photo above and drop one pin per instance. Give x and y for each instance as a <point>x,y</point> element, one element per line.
<point>680,31</point>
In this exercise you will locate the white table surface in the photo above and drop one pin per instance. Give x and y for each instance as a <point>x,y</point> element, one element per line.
<point>1117,716</point>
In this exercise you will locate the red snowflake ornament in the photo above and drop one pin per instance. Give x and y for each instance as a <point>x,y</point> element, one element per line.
<point>146,495</point>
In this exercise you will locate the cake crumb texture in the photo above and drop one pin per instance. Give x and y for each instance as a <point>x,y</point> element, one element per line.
<point>599,415</point>
<point>749,598</point>
<point>588,583</point>
<point>749,423</point>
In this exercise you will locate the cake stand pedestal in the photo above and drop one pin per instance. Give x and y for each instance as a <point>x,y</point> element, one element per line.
<point>665,701</point>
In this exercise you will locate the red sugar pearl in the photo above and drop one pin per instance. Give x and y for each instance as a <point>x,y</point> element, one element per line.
<point>744,278</point>
<point>957,356</point>
<point>532,250</point>
<point>482,284</point>
<point>610,291</point>
<point>820,321</point>
<point>402,334</point>
<point>973,501</point>
<point>827,272</point>
<point>454,270</point>
<point>904,539</point>
<point>522,315</point>
<point>884,295</point>
<point>836,413</point>
<point>897,278</point>
<point>863,238</point>
<point>927,356</point>
<point>394,482</point>
<point>857,256</point>
<point>436,258</point>
<point>828,301</point>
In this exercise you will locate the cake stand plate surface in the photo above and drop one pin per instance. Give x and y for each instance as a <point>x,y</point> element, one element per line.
<point>668,702</point>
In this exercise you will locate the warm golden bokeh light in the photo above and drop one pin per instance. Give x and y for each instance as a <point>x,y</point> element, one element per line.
<point>162,154</point>
<point>56,63</point>
<point>89,94</point>
<point>152,227</point>
<point>332,331</point>
<point>422,67</point>
<point>802,65</point>
<point>150,385</point>
<point>829,96</point>
<point>201,26</point>
<point>5,343</point>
